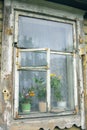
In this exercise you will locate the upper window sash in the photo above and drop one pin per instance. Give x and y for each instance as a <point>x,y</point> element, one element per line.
<point>37,16</point>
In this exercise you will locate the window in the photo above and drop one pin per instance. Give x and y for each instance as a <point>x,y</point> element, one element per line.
<point>45,66</point>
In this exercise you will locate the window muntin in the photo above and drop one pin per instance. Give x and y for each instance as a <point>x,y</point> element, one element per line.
<point>65,51</point>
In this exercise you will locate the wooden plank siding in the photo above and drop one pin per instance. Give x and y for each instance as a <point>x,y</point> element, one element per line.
<point>85,69</point>
<point>1,26</point>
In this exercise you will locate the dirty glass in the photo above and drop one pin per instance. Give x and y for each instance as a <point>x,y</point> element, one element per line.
<point>35,59</point>
<point>37,33</point>
<point>62,82</point>
<point>32,91</point>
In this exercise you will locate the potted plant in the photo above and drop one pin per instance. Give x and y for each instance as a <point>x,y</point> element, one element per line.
<point>41,93</point>
<point>56,88</point>
<point>25,99</point>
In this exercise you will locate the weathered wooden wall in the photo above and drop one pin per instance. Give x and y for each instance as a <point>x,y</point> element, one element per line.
<point>1,20</point>
<point>1,26</point>
<point>85,69</point>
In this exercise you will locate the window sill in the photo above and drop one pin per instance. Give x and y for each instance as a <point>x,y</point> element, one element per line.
<point>51,122</point>
<point>44,114</point>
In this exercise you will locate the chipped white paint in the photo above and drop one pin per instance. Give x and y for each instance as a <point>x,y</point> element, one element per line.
<point>80,32</point>
<point>75,81</point>
<point>7,115</point>
<point>82,97</point>
<point>45,7</point>
<point>51,123</point>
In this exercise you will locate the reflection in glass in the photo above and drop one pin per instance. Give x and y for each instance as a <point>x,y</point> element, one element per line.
<point>37,33</point>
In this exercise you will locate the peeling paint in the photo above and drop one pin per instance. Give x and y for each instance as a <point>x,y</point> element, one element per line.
<point>9,31</point>
<point>7,117</point>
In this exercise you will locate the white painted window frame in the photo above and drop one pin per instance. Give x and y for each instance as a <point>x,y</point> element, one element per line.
<point>16,75</point>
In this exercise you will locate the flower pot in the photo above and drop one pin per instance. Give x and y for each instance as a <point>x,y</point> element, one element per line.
<point>61,104</point>
<point>26,107</point>
<point>42,106</point>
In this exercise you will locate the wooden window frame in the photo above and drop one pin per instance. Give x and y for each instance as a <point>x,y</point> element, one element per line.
<point>74,54</point>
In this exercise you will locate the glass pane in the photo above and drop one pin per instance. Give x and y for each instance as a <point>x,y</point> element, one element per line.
<point>32,92</point>
<point>33,59</point>
<point>37,33</point>
<point>62,82</point>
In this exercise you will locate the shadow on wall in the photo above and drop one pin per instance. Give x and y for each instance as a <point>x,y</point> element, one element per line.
<point>73,128</point>
<point>85,16</point>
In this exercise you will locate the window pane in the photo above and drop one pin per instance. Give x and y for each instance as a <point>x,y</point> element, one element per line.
<point>37,33</point>
<point>33,59</point>
<point>62,82</point>
<point>32,92</point>
<point>58,36</point>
